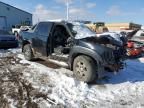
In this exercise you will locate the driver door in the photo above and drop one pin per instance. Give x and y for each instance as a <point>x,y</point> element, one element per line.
<point>41,37</point>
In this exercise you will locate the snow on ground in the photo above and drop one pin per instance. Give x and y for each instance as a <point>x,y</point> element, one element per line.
<point>124,90</point>
<point>8,52</point>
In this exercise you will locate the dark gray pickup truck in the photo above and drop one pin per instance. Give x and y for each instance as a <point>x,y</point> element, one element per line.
<point>73,43</point>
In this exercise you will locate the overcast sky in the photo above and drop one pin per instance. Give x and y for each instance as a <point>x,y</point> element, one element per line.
<point>94,10</point>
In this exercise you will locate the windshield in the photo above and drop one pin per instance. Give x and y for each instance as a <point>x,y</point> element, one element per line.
<point>80,31</point>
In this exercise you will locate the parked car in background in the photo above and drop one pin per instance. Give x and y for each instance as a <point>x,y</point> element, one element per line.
<point>7,40</point>
<point>135,48</point>
<point>17,29</point>
<point>75,44</point>
<point>136,35</point>
<point>135,45</point>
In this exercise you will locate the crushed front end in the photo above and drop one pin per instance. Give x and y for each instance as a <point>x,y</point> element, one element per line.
<point>117,45</point>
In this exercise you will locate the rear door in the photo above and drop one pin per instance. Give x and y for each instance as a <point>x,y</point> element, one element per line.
<point>2,23</point>
<point>139,36</point>
<point>41,37</point>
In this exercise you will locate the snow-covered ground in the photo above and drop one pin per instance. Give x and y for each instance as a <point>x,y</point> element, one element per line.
<point>61,89</point>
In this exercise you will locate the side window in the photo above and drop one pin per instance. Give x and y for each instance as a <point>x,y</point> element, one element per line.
<point>43,29</point>
<point>60,31</point>
<point>138,34</point>
<point>142,34</point>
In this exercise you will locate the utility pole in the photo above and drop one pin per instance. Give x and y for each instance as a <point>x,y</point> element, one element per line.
<point>67,4</point>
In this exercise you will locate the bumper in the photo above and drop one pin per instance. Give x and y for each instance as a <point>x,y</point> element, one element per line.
<point>8,44</point>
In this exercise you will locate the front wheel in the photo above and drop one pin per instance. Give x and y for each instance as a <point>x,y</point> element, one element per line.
<point>28,54</point>
<point>84,68</point>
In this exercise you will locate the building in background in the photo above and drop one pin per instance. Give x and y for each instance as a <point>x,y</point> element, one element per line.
<point>122,26</point>
<point>11,16</point>
<point>98,27</point>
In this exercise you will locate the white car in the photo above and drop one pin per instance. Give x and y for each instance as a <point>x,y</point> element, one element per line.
<point>17,30</point>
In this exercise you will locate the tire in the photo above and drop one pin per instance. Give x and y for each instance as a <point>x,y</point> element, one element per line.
<point>28,54</point>
<point>84,68</point>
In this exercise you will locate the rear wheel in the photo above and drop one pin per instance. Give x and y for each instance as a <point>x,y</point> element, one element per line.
<point>28,54</point>
<point>84,68</point>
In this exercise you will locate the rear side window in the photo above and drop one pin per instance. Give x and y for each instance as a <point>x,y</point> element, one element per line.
<point>142,34</point>
<point>43,28</point>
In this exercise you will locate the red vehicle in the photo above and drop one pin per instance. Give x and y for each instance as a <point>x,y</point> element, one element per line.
<point>134,48</point>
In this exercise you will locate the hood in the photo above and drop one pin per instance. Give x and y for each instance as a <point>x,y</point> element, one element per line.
<point>7,37</point>
<point>103,40</point>
<point>85,35</point>
<point>113,37</point>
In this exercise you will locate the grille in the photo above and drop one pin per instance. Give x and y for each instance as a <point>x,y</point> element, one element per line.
<point>108,56</point>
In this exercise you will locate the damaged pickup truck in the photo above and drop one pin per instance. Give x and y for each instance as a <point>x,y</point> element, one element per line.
<point>73,43</point>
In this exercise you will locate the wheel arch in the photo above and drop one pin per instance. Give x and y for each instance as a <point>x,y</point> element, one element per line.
<point>84,51</point>
<point>81,54</point>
